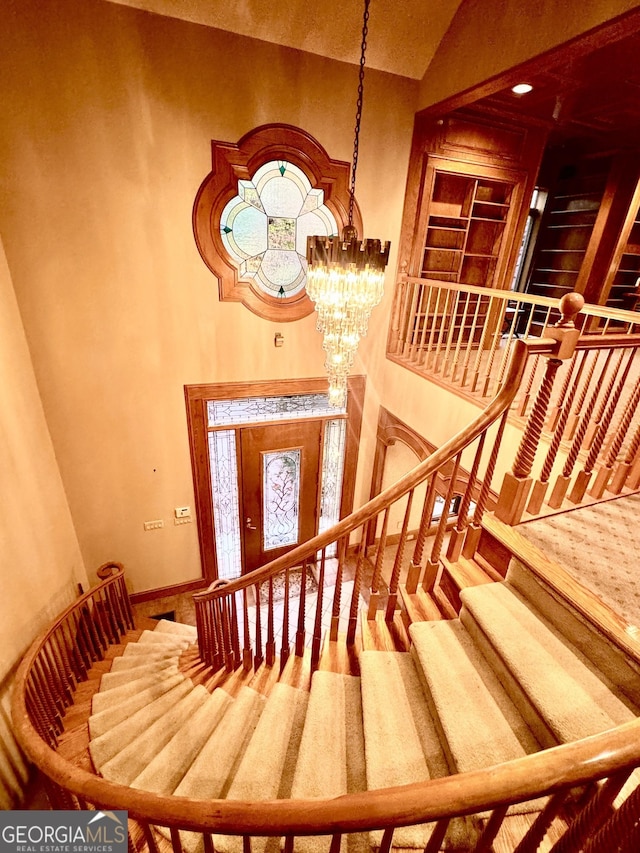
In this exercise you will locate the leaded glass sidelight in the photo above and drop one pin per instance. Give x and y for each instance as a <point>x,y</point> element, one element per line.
<point>281,497</point>
<point>266,225</point>
<point>224,490</point>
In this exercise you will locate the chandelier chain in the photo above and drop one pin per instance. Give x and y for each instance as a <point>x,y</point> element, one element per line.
<point>356,140</point>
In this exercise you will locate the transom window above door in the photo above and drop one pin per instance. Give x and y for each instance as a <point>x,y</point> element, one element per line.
<point>254,211</point>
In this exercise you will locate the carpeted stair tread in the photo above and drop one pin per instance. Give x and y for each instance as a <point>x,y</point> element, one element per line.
<point>108,744</point>
<point>212,771</point>
<point>101,722</point>
<point>267,767</point>
<point>401,741</point>
<point>110,697</point>
<point>582,633</point>
<point>479,723</point>
<point>166,626</point>
<point>331,759</point>
<point>538,667</point>
<point>135,659</point>
<point>124,676</point>
<point>132,760</point>
<point>141,651</point>
<point>157,638</point>
<point>168,767</point>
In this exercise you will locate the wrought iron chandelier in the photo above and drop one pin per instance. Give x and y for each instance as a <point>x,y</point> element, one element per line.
<point>345,275</point>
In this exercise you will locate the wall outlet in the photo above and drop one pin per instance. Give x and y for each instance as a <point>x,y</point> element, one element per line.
<point>182,511</point>
<point>153,525</point>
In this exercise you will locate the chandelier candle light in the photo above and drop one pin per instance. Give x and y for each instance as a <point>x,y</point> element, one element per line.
<point>345,276</point>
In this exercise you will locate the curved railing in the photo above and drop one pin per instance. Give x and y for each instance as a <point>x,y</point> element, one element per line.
<point>63,655</point>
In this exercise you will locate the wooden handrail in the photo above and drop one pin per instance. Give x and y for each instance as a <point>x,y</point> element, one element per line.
<point>602,311</point>
<point>417,475</point>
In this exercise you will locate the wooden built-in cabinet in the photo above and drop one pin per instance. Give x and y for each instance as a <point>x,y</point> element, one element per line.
<point>465,226</point>
<point>567,228</point>
<point>470,180</point>
<point>622,286</point>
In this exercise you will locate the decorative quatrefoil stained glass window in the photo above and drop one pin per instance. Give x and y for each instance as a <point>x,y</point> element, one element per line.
<point>254,211</point>
<point>266,225</point>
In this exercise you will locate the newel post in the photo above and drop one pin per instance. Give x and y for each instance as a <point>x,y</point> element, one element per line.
<point>517,482</point>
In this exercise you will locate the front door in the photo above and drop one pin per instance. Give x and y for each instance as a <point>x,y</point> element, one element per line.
<point>280,465</point>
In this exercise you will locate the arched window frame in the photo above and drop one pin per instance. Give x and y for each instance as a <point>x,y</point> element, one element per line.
<point>232,163</point>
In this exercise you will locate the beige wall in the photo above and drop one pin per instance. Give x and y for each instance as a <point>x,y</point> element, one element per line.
<point>108,115</point>
<point>41,561</point>
<point>486,39</point>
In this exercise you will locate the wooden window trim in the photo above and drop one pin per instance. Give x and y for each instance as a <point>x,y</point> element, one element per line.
<point>196,397</point>
<point>231,163</point>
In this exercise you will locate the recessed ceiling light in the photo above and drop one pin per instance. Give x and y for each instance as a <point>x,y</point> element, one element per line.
<point>522,88</point>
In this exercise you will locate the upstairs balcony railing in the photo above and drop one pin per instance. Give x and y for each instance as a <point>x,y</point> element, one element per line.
<point>580,417</point>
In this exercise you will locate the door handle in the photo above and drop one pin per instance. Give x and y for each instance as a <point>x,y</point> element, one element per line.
<point>249,526</point>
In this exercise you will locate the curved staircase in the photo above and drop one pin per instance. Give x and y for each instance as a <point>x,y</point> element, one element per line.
<point>496,684</point>
<point>505,718</point>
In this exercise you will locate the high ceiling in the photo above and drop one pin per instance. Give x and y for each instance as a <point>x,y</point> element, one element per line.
<point>403,36</point>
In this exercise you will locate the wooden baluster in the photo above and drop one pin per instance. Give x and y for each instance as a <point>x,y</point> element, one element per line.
<point>442,333</point>
<point>469,342</point>
<point>474,530</point>
<point>433,563</point>
<point>226,634</point>
<point>374,599</point>
<point>556,410</point>
<point>79,642</point>
<point>218,611</point>
<point>517,482</point>
<point>285,647</point>
<point>415,566</point>
<point>200,629</point>
<point>64,664</point>
<point>594,425</point>
<point>63,685</point>
<point>337,592</point>
<point>492,826</point>
<point>247,651</point>
<point>451,334</point>
<point>432,330</point>
<point>418,326</point>
<point>387,840</point>
<point>532,839</point>
<point>302,612</point>
<point>316,643</point>
<point>270,648</point>
<point>582,480</point>
<point>336,841</point>
<point>540,486</point>
<point>437,836</point>
<point>604,474</point>
<point>235,634</point>
<point>355,595</point>
<point>482,348</point>
<point>574,417</point>
<point>592,815</point>
<point>259,657</point>
<point>457,535</point>
<point>506,348</point>
<point>526,397</point>
<point>564,479</point>
<point>461,333</point>
<point>103,607</point>
<point>496,336</point>
<point>422,350</point>
<point>628,471</point>
<point>398,318</point>
<point>407,349</point>
<point>395,574</point>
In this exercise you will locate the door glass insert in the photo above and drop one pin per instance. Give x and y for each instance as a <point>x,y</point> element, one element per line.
<point>224,489</point>
<point>332,472</point>
<point>281,497</point>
